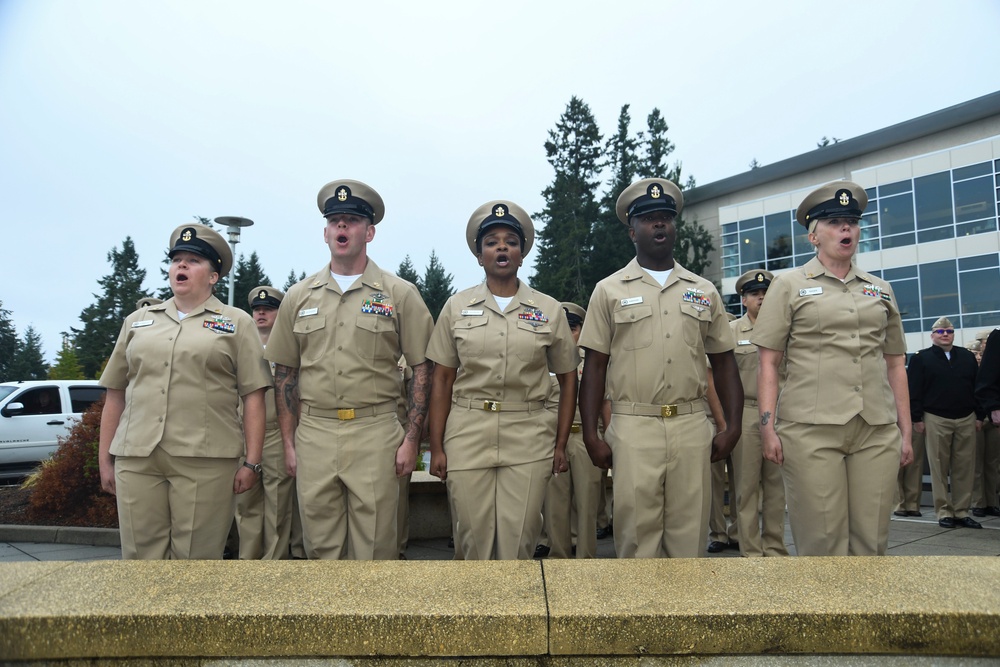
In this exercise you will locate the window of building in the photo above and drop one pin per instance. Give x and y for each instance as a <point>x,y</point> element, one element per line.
<point>932,195</point>
<point>978,278</point>
<point>895,212</point>
<point>975,200</point>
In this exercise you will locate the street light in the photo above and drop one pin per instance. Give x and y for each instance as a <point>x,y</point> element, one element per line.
<point>233,225</point>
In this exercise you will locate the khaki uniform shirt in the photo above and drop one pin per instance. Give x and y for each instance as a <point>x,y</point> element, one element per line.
<point>503,356</point>
<point>746,357</point>
<point>834,334</point>
<point>657,337</point>
<point>346,345</point>
<point>183,379</point>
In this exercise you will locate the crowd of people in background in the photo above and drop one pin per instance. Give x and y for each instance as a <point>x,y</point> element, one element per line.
<point>304,422</point>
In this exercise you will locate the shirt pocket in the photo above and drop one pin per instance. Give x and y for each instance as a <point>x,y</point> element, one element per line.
<point>634,327</point>
<point>531,341</point>
<point>695,321</point>
<point>376,337</point>
<point>470,336</point>
<point>311,334</point>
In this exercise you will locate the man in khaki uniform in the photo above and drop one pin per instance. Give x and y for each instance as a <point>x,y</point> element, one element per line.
<point>264,513</point>
<point>571,498</point>
<point>942,380</point>
<point>335,346</point>
<point>836,428</point>
<point>985,490</point>
<point>648,328</point>
<point>758,481</point>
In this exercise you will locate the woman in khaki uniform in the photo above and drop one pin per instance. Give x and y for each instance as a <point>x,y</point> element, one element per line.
<point>171,434</point>
<point>836,426</point>
<point>491,437</point>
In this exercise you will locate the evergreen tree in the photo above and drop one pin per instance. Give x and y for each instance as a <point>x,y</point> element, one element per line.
<point>10,345</point>
<point>407,272</point>
<point>611,248</point>
<point>574,150</point>
<point>249,274</point>
<point>436,287</point>
<point>103,320</point>
<point>29,364</point>
<point>291,279</point>
<point>67,367</point>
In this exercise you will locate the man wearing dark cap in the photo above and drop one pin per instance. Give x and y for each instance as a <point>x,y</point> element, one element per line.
<point>648,328</point>
<point>758,481</point>
<point>942,381</point>
<point>335,346</point>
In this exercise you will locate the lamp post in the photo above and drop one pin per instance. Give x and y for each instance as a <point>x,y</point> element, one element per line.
<point>233,225</point>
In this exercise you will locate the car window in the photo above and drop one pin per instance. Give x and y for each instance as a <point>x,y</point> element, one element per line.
<point>6,391</point>
<point>82,397</point>
<point>40,401</point>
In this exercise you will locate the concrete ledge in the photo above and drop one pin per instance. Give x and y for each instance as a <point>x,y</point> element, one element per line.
<point>550,612</point>
<point>98,537</point>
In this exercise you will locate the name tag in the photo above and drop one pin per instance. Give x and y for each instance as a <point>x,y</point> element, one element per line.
<point>466,312</point>
<point>631,302</point>
<point>745,341</point>
<point>810,291</point>
<point>306,312</point>
<point>141,323</point>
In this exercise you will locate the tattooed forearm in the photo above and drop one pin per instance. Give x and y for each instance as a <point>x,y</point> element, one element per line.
<point>764,418</point>
<point>419,397</point>
<point>286,389</point>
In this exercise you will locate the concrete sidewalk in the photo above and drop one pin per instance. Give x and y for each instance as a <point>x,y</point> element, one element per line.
<point>907,537</point>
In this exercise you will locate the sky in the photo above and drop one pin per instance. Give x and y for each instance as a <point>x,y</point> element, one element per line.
<point>129,117</point>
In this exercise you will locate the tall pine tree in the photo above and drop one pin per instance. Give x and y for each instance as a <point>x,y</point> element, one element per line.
<point>407,272</point>
<point>249,274</point>
<point>291,279</point>
<point>103,320</point>
<point>10,344</point>
<point>574,150</point>
<point>611,248</point>
<point>29,364</point>
<point>436,287</point>
<point>67,367</point>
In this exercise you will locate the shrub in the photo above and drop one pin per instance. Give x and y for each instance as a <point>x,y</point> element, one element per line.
<point>67,490</point>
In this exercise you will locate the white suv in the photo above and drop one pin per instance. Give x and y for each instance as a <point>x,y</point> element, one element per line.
<point>33,414</point>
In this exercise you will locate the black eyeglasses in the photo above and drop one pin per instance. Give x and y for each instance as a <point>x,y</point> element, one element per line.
<point>941,332</point>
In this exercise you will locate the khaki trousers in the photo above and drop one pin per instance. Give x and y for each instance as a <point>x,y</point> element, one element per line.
<point>174,507</point>
<point>951,454</point>
<point>604,504</point>
<point>840,485</point>
<point>987,484</point>
<point>498,510</point>
<point>662,486</point>
<point>910,480</point>
<point>403,515</point>
<point>347,486</point>
<point>573,497</point>
<point>758,485</point>
<point>723,472</point>
<point>264,513</point>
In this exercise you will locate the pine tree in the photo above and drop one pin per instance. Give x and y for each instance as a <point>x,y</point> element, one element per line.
<point>291,279</point>
<point>574,150</point>
<point>67,367</point>
<point>611,248</point>
<point>407,271</point>
<point>29,364</point>
<point>436,287</point>
<point>9,345</point>
<point>103,320</point>
<point>249,274</point>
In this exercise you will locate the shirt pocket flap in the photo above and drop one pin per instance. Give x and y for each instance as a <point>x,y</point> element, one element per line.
<point>306,325</point>
<point>632,314</point>
<point>702,313</point>
<point>471,322</point>
<point>376,323</point>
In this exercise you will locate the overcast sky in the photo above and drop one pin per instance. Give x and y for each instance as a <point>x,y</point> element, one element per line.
<point>127,118</point>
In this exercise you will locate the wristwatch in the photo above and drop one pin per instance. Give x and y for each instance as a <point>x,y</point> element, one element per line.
<point>256,467</point>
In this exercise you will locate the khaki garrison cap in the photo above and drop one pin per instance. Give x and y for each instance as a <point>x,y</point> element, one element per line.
<point>839,199</point>
<point>351,197</point>
<point>648,195</point>
<point>265,295</point>
<point>942,323</point>
<point>754,280</point>
<point>500,212</point>
<point>205,241</point>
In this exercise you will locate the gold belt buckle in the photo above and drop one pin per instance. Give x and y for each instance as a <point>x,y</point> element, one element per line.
<point>345,414</point>
<point>668,410</point>
<point>575,428</point>
<point>491,406</point>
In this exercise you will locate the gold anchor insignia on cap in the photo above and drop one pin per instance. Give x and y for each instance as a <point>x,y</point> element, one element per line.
<point>760,277</point>
<point>500,212</point>
<point>655,191</point>
<point>845,198</point>
<point>262,294</point>
<point>187,235</point>
<point>342,194</point>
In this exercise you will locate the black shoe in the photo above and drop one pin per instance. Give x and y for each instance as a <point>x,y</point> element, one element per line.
<point>716,547</point>
<point>733,546</point>
<point>968,522</point>
<point>451,542</point>
<point>992,511</point>
<point>541,551</point>
<point>603,533</point>
<point>913,513</point>
<point>947,522</point>
<point>901,513</point>
<point>978,511</point>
